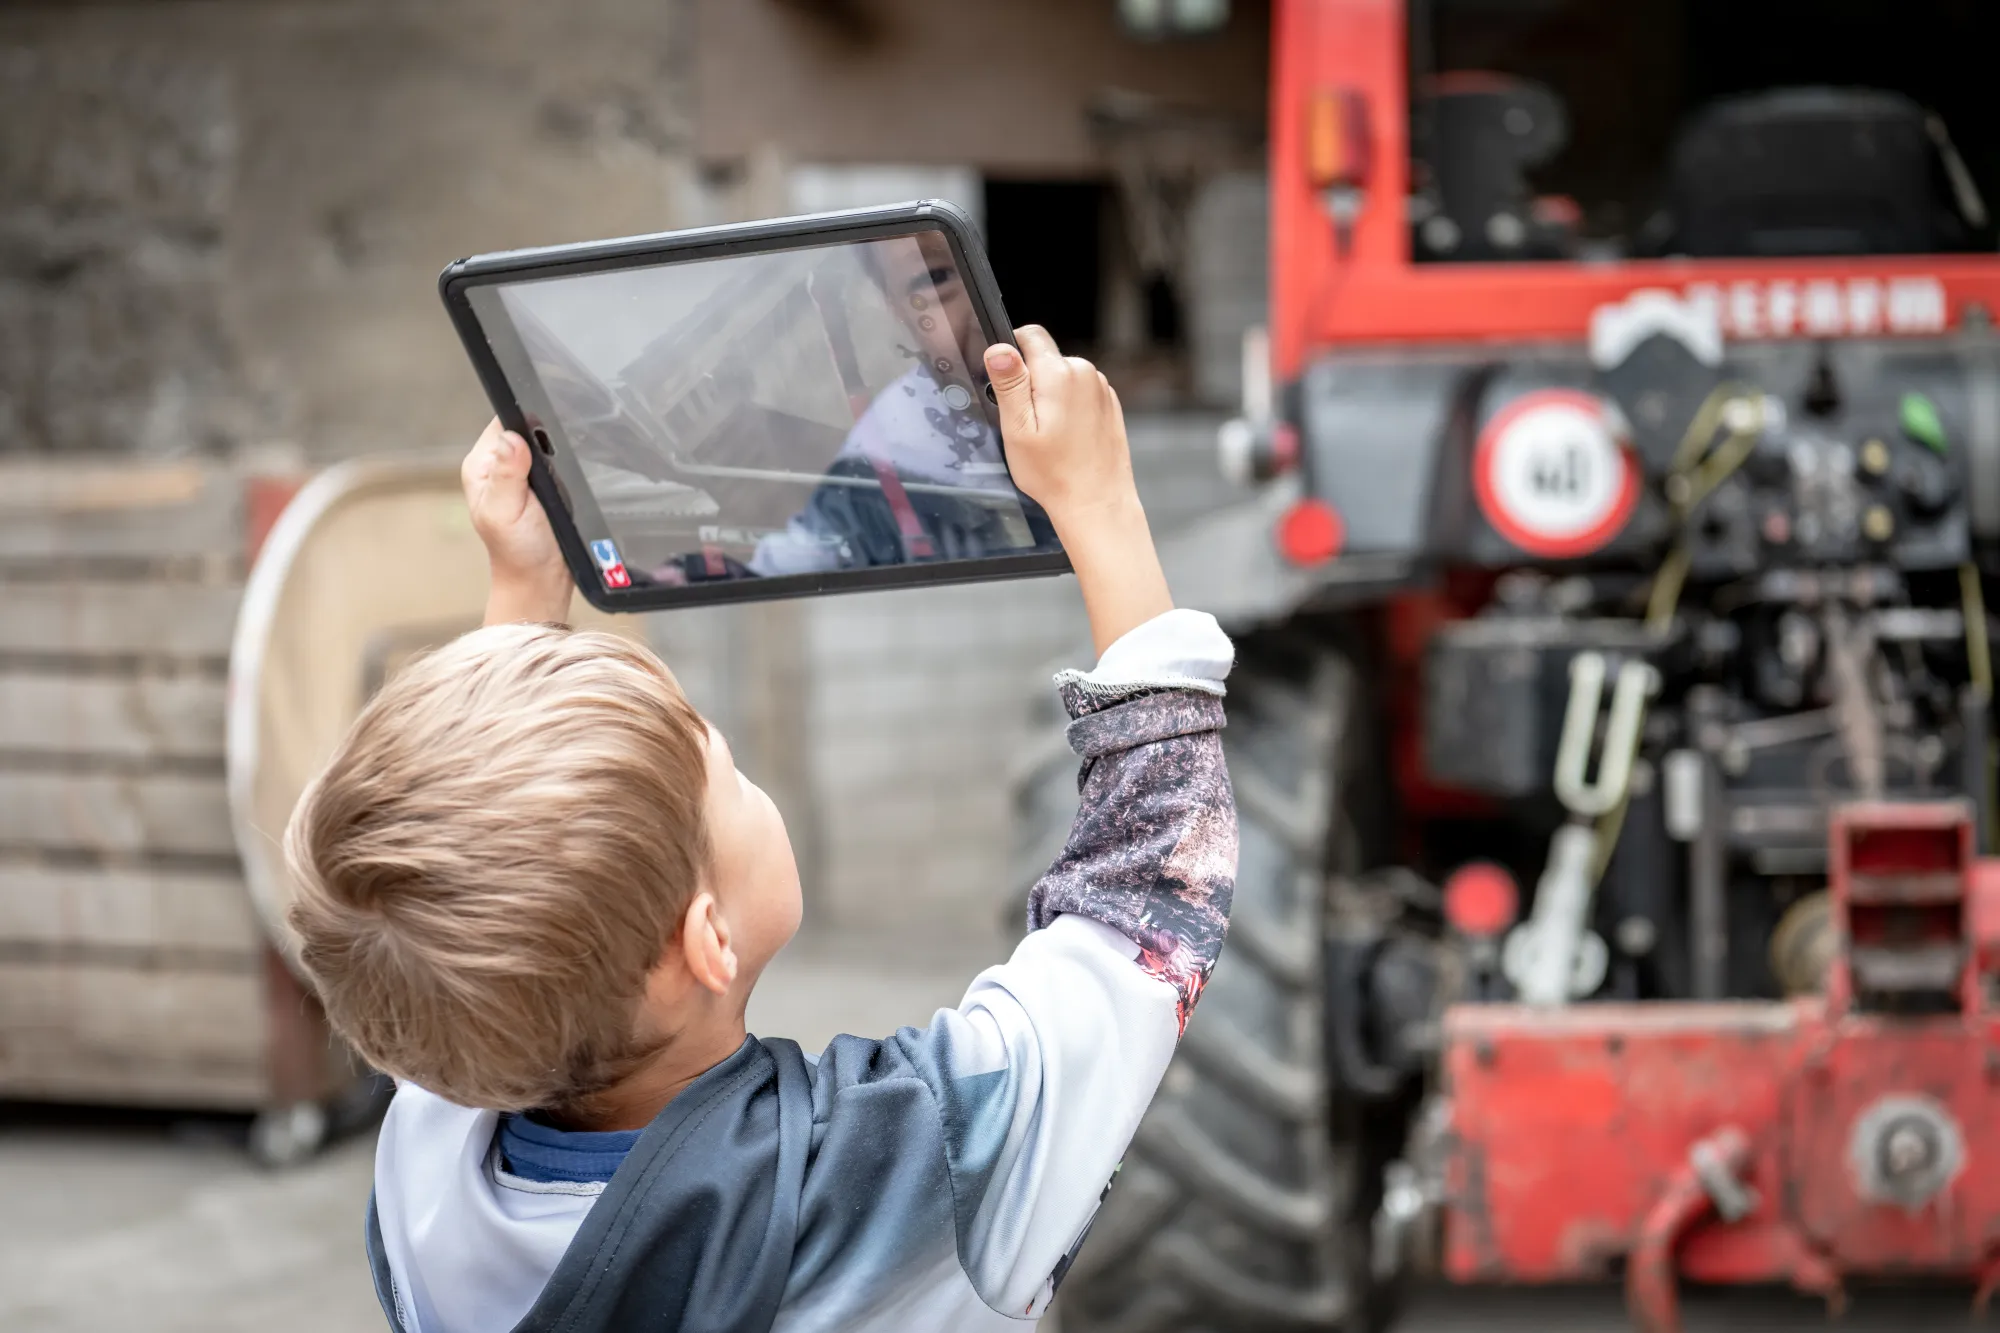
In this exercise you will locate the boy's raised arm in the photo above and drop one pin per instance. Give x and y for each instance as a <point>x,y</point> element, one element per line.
<point>1153,850</point>
<point>1036,1083</point>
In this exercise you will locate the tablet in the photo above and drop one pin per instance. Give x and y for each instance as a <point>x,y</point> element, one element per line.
<point>774,409</point>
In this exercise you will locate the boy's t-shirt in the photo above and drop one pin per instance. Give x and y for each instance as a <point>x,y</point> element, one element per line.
<point>940,1178</point>
<point>541,1154</point>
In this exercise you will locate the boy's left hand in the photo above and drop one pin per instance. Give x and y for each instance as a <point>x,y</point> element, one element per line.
<point>529,579</point>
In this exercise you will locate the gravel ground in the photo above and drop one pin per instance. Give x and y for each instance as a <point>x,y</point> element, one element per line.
<point>151,1223</point>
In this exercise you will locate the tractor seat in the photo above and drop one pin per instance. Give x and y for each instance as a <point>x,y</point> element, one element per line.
<point>1813,171</point>
<point>1476,135</point>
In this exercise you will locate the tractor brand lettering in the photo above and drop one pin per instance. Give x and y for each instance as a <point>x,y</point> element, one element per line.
<point>1825,307</point>
<point>1553,475</point>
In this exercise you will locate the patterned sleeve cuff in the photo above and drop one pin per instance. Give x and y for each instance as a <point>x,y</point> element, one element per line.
<point>1105,725</point>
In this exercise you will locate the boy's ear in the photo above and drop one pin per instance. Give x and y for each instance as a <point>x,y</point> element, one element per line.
<point>705,944</point>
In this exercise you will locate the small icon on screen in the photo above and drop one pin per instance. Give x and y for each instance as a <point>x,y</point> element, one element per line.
<point>605,553</point>
<point>616,577</point>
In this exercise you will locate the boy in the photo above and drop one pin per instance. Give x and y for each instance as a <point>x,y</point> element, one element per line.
<point>534,889</point>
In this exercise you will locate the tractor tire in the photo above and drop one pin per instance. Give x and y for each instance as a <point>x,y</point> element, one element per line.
<point>1234,1207</point>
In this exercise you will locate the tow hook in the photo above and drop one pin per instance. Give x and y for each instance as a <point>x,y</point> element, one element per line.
<point>1709,1182</point>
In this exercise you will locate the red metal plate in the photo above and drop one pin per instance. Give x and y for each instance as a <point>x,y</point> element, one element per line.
<point>1567,1125</point>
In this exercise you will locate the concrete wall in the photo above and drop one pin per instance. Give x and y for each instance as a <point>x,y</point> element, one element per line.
<point>220,228</point>
<point>221,223</point>
<point>1005,85</point>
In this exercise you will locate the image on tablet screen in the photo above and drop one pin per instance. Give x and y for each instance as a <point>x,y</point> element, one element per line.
<point>795,412</point>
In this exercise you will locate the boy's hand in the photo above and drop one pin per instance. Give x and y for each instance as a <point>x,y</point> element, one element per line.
<point>1064,430</point>
<point>1066,449</point>
<point>529,579</point>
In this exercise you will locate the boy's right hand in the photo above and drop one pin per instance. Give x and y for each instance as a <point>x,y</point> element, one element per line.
<point>1066,449</point>
<point>529,579</point>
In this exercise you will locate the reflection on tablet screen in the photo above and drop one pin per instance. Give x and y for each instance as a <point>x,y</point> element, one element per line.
<point>796,412</point>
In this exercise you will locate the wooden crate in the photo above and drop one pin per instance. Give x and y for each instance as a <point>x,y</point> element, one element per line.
<point>162,706</point>
<point>133,968</point>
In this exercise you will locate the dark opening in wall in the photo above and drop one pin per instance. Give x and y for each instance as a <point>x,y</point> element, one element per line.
<point>1163,313</point>
<point>1047,242</point>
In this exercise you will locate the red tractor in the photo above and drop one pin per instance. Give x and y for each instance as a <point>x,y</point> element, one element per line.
<point>1613,731</point>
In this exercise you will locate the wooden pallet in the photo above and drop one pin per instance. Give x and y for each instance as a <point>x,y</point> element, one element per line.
<point>133,968</point>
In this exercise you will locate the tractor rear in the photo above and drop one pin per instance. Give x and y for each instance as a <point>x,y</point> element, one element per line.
<point>1613,729</point>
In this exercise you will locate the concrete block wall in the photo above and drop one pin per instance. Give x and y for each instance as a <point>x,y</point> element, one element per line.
<point>1228,264</point>
<point>918,706</point>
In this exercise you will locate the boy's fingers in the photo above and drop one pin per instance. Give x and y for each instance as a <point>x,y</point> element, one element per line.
<point>479,457</point>
<point>1037,347</point>
<point>1117,413</point>
<point>507,480</point>
<point>1012,387</point>
<point>510,455</point>
<point>494,475</point>
<point>1006,368</point>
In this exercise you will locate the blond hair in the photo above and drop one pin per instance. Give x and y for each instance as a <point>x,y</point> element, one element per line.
<point>498,853</point>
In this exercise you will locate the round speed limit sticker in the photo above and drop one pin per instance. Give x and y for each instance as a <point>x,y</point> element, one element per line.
<point>1554,474</point>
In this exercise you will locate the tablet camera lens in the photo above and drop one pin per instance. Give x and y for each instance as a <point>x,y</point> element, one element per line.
<point>957,398</point>
<point>920,302</point>
<point>543,443</point>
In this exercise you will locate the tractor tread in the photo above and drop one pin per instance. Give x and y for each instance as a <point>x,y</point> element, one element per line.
<point>1246,1297</point>
<point>1169,1137</point>
<point>1287,954</point>
<point>1228,1057</point>
<point>1298,818</point>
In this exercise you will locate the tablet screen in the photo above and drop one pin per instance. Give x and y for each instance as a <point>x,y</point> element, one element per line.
<point>802,411</point>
